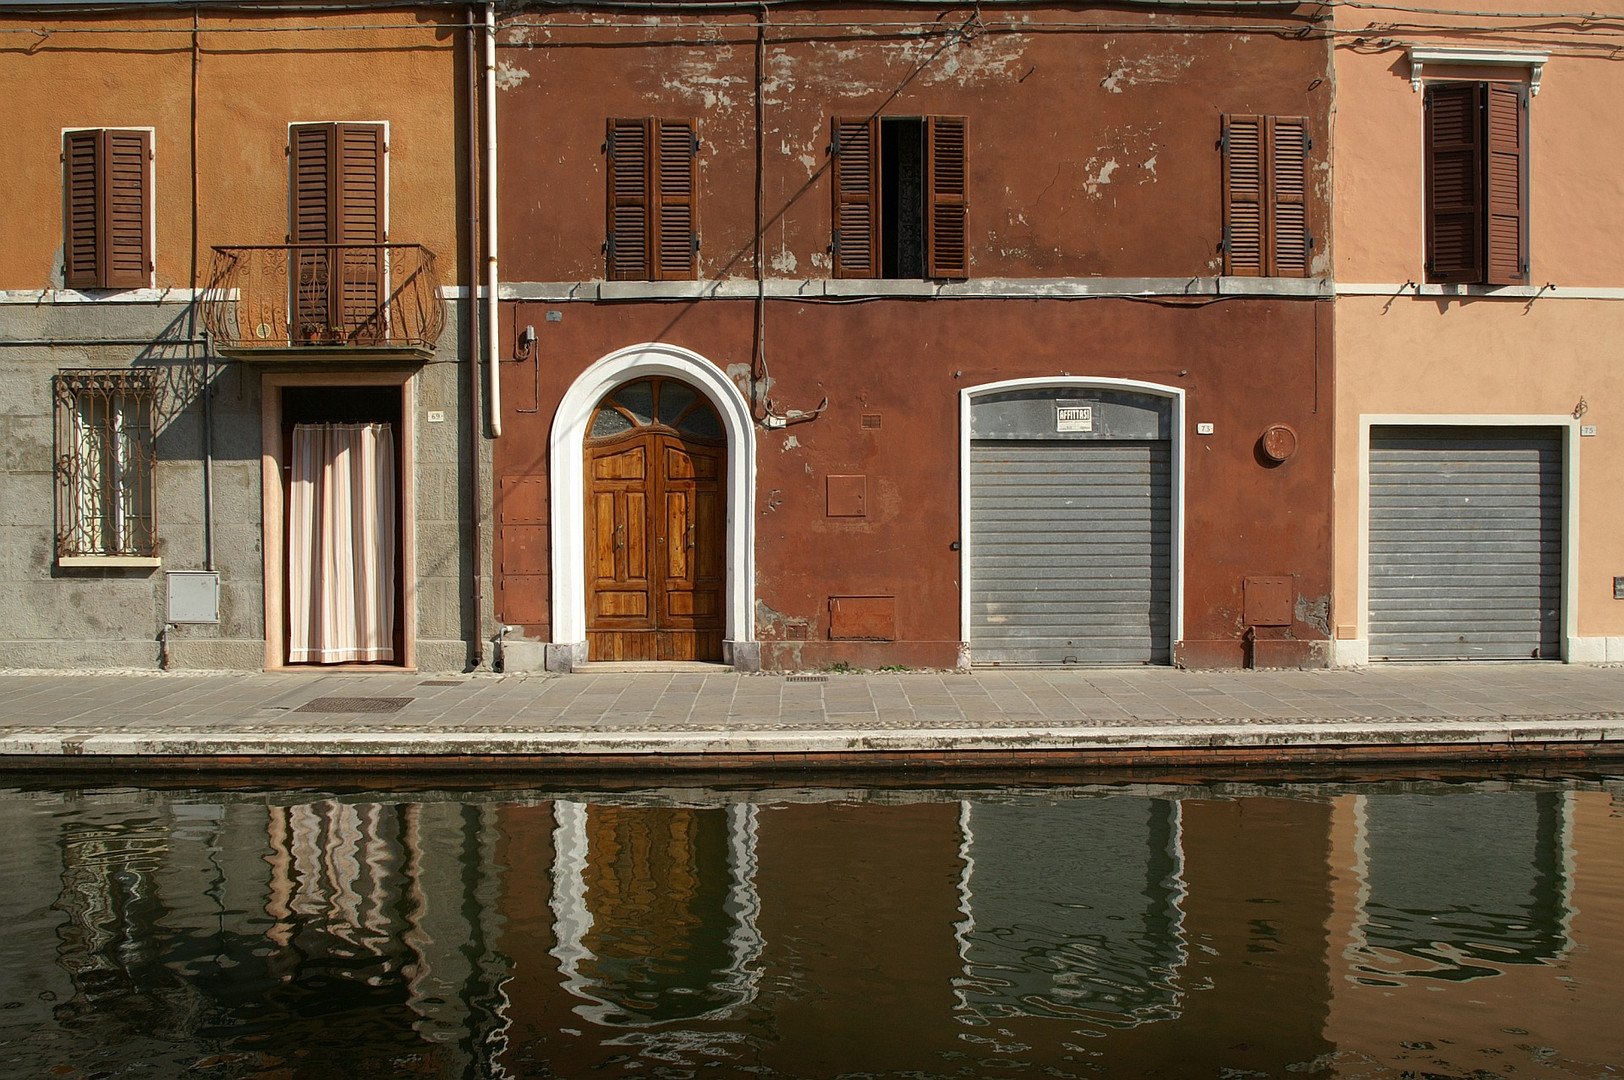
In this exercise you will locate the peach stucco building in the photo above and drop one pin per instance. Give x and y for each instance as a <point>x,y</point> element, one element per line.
<point>1477,306</point>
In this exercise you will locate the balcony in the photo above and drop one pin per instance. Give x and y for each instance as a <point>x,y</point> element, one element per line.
<point>304,301</point>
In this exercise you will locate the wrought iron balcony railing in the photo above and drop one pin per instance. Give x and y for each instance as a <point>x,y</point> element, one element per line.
<point>345,297</point>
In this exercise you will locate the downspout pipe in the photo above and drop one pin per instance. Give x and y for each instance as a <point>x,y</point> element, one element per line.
<point>471,54</point>
<point>492,337</point>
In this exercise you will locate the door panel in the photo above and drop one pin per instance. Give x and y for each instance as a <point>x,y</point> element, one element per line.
<point>655,523</point>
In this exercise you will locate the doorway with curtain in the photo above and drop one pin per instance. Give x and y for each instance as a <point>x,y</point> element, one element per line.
<point>336,536</point>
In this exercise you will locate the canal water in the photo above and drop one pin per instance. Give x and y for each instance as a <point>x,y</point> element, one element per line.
<point>1404,929</point>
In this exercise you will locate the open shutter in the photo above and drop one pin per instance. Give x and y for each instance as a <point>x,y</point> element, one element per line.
<point>947,254</point>
<point>1506,186</point>
<point>676,178</point>
<point>1454,143</point>
<point>359,222</point>
<point>856,197</point>
<point>81,154</point>
<point>630,163</point>
<point>313,198</point>
<point>1244,207</point>
<point>127,158</point>
<point>1288,196</point>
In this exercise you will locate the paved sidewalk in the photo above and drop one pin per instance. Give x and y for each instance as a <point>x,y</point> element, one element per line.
<point>719,718</point>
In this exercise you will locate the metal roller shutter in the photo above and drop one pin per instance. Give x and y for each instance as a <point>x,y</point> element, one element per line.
<point>1070,552</point>
<point>1465,543</point>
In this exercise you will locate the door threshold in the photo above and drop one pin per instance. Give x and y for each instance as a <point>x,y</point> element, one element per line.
<point>605,667</point>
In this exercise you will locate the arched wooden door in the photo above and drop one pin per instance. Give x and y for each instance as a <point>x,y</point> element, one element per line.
<point>656,465</point>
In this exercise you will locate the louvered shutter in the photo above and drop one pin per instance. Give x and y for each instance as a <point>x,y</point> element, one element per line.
<point>1506,186</point>
<point>856,197</point>
<point>127,156</point>
<point>359,220</point>
<point>107,178</point>
<point>337,228</point>
<point>947,251</point>
<point>630,163</point>
<point>676,172</point>
<point>1455,208</point>
<point>81,153</point>
<point>1244,206</point>
<point>311,153</point>
<point>1288,196</point>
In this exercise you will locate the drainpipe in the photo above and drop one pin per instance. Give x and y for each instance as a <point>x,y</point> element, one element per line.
<point>493,341</point>
<point>471,239</point>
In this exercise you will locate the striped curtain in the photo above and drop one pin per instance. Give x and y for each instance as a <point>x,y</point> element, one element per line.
<point>341,544</point>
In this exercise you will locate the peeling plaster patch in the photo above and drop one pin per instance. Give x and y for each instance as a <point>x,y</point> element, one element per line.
<point>1150,167</point>
<point>1098,177</point>
<point>509,75</point>
<point>776,625</point>
<point>810,162</point>
<point>790,443</point>
<point>1315,612</point>
<point>784,262</point>
<point>820,260</point>
<point>1166,68</point>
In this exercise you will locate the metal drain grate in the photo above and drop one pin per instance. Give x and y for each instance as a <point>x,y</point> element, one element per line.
<point>806,678</point>
<point>355,704</point>
<point>440,682</point>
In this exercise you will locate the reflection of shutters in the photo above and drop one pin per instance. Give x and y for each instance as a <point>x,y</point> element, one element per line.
<point>856,190</point>
<point>1266,196</point>
<point>948,257</point>
<point>653,175</point>
<point>107,177</point>
<point>337,228</point>
<point>1506,189</point>
<point>1454,182</point>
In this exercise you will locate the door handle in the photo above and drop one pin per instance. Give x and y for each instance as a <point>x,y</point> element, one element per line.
<point>690,536</point>
<point>620,537</point>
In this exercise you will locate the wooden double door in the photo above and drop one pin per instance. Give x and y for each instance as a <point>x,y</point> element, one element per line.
<point>656,468</point>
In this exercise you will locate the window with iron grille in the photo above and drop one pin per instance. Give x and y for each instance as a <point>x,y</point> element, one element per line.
<point>105,463</point>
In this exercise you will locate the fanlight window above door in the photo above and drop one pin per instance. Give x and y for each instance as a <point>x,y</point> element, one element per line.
<point>657,403</point>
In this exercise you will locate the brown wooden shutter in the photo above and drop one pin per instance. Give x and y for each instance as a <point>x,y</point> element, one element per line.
<point>107,180</point>
<point>127,158</point>
<point>81,153</point>
<point>856,148</point>
<point>1244,204</point>
<point>947,254</point>
<point>1289,241</point>
<point>676,170</point>
<point>1454,203</point>
<point>337,224</point>
<point>360,228</point>
<point>630,164</point>
<point>1506,184</point>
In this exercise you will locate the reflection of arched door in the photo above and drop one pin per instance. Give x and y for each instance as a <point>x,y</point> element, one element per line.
<point>656,461</point>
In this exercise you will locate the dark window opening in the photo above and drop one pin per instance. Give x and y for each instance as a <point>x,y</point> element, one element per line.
<point>902,197</point>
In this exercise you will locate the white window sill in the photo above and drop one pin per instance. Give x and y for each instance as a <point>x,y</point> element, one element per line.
<point>108,562</point>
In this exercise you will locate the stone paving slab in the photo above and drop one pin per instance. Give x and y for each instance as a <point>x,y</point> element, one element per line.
<point>657,714</point>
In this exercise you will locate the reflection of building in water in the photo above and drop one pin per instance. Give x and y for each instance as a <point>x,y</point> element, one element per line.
<point>655,910</point>
<point>1073,909</point>
<point>192,921</point>
<point>1458,885</point>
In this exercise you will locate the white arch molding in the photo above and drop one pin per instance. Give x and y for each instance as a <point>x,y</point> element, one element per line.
<point>567,482</point>
<point>1173,394</point>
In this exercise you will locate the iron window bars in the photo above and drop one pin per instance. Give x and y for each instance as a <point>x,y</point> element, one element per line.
<point>105,463</point>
